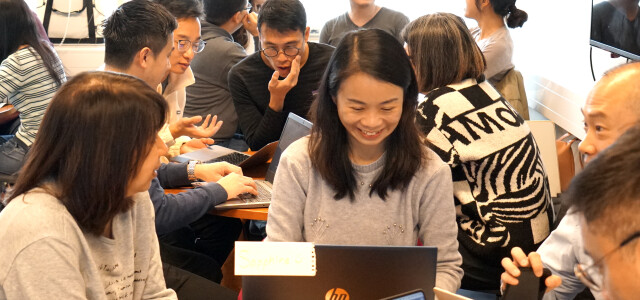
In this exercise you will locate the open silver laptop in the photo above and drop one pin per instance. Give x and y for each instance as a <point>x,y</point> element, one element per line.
<point>295,128</point>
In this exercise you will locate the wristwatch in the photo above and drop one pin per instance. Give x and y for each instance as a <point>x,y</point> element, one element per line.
<point>191,170</point>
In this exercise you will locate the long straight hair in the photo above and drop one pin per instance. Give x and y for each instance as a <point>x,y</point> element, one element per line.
<point>17,28</point>
<point>378,54</point>
<point>94,137</point>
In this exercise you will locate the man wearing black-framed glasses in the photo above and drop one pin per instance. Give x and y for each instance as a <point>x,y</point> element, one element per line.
<point>606,196</point>
<point>612,107</point>
<point>281,78</point>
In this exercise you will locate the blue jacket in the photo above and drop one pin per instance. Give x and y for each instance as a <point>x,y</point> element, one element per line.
<point>174,211</point>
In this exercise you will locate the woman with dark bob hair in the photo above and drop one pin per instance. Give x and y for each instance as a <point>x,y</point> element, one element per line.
<point>30,74</point>
<point>500,186</point>
<point>364,177</point>
<point>79,223</point>
<point>492,34</point>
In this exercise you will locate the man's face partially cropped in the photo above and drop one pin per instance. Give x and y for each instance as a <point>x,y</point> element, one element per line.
<point>608,113</point>
<point>619,267</point>
<point>159,64</point>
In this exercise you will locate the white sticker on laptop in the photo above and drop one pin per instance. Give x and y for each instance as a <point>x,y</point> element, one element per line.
<point>275,258</point>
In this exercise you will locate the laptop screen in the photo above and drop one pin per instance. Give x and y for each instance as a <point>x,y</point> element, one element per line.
<point>295,128</point>
<point>353,272</point>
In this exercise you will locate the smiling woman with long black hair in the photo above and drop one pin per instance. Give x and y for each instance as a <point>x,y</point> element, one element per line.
<point>364,177</point>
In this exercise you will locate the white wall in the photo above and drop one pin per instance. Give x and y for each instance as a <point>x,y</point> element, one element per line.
<point>552,52</point>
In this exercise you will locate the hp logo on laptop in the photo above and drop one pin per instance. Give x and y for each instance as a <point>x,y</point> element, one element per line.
<point>336,294</point>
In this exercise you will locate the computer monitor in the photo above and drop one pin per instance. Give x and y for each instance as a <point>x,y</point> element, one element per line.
<point>612,30</point>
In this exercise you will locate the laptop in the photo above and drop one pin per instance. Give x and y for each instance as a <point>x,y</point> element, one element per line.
<point>353,272</point>
<point>295,128</point>
<point>214,153</point>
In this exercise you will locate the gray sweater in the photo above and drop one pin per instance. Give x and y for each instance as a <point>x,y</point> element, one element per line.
<point>303,210</point>
<point>46,255</point>
<point>210,93</point>
<point>386,19</point>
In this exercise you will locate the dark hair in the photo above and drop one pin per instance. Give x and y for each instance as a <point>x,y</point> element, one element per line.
<point>219,12</point>
<point>241,36</point>
<point>507,8</point>
<point>442,51</point>
<point>607,191</point>
<point>85,146</point>
<point>283,16</point>
<point>134,25</point>
<point>17,28</point>
<point>183,8</point>
<point>378,54</point>
<point>256,8</point>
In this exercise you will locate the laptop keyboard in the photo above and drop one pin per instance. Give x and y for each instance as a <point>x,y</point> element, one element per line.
<point>264,193</point>
<point>234,158</point>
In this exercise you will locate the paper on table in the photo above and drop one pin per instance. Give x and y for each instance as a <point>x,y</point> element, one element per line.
<point>275,258</point>
<point>446,295</point>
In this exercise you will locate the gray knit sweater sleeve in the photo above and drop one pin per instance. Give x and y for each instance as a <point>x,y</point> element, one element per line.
<point>438,226</point>
<point>303,210</point>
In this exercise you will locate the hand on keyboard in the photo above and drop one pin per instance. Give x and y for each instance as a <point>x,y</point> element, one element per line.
<point>214,172</point>
<point>236,184</point>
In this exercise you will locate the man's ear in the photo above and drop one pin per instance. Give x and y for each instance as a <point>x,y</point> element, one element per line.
<point>143,56</point>
<point>238,16</point>
<point>306,34</point>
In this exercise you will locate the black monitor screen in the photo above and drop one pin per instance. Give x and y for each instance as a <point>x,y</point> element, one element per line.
<point>615,27</point>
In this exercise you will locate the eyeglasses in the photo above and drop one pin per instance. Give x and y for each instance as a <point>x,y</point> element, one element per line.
<point>184,45</point>
<point>249,7</point>
<point>273,52</point>
<point>584,272</point>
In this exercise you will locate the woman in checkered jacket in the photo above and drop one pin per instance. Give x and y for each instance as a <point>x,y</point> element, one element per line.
<point>501,191</point>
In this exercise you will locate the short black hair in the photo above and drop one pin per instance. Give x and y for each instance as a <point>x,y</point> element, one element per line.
<point>607,191</point>
<point>134,25</point>
<point>218,12</point>
<point>183,8</point>
<point>283,16</point>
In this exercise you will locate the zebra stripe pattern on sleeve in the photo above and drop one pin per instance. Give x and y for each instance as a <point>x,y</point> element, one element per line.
<point>501,189</point>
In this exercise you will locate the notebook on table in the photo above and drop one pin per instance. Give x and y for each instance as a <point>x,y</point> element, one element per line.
<point>295,128</point>
<point>353,272</point>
